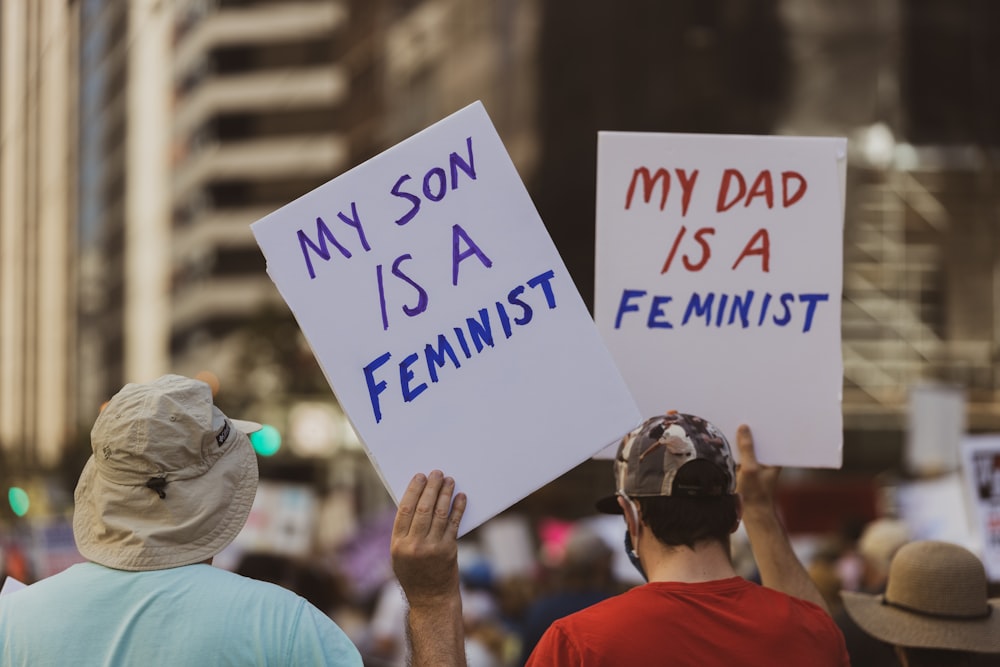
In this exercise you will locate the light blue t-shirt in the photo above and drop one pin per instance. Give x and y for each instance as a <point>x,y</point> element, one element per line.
<point>192,615</point>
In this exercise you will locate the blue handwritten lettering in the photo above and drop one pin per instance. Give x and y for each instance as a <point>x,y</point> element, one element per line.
<point>699,308</point>
<point>721,309</point>
<point>324,235</point>
<point>442,185</point>
<point>435,358</point>
<point>456,163</point>
<point>812,300</point>
<point>421,292</point>
<point>624,306</point>
<point>479,330</point>
<point>512,299</point>
<point>458,256</point>
<point>376,388</point>
<point>655,312</point>
<point>405,375</point>
<point>784,299</point>
<point>741,307</point>
<point>544,279</point>
<point>412,198</point>
<point>442,353</point>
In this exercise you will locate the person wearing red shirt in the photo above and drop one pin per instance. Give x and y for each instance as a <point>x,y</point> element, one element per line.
<point>680,495</point>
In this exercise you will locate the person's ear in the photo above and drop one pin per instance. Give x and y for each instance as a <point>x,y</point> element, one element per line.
<point>632,514</point>
<point>739,513</point>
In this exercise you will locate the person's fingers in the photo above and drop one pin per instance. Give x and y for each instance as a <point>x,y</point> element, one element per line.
<point>457,510</point>
<point>408,505</point>
<point>744,443</point>
<point>439,522</point>
<point>423,515</point>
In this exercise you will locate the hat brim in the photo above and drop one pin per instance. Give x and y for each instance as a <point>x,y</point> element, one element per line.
<point>903,628</point>
<point>131,528</point>
<point>609,505</point>
<point>245,426</point>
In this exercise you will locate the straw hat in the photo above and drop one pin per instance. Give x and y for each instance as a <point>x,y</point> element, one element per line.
<point>171,481</point>
<point>935,598</point>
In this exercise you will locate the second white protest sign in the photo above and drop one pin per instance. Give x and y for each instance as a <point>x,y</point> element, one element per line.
<point>719,278</point>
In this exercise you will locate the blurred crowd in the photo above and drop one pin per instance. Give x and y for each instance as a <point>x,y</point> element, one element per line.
<point>575,564</point>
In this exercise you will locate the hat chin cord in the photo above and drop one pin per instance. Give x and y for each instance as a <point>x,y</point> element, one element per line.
<point>634,511</point>
<point>158,484</point>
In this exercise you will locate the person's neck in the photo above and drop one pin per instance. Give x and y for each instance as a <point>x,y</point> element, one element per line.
<point>707,561</point>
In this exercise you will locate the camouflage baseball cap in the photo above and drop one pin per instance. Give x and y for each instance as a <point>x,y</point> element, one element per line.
<point>650,459</point>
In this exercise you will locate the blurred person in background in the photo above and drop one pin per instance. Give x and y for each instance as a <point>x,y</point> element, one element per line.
<point>878,543</point>
<point>170,484</point>
<point>385,645</point>
<point>582,578</point>
<point>935,611</point>
<point>678,491</point>
<point>310,580</point>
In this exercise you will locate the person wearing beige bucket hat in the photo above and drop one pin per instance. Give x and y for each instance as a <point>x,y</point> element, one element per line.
<point>169,485</point>
<point>934,610</point>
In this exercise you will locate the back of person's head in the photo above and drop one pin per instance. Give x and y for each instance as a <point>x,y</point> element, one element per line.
<point>935,606</point>
<point>171,480</point>
<point>878,544</point>
<point>587,558</point>
<point>680,470</point>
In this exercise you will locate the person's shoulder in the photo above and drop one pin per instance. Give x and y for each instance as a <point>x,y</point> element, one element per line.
<point>801,606</point>
<point>59,580</point>
<point>212,575</point>
<point>600,612</point>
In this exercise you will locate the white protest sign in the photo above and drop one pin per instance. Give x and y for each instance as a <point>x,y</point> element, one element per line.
<point>981,469</point>
<point>935,427</point>
<point>445,320</point>
<point>718,282</point>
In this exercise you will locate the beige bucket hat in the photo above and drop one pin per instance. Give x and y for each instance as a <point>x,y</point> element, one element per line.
<point>171,480</point>
<point>935,598</point>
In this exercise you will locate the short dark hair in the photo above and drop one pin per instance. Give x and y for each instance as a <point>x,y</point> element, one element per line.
<point>677,521</point>
<point>692,514</point>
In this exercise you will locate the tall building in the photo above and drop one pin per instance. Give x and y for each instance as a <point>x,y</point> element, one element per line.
<point>908,83</point>
<point>123,208</point>
<point>258,98</point>
<point>37,216</point>
<point>441,55</point>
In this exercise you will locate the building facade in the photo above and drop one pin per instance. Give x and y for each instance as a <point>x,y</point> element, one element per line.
<point>37,250</point>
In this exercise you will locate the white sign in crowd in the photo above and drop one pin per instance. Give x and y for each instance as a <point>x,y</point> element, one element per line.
<point>445,320</point>
<point>981,468</point>
<point>454,338</point>
<point>718,282</point>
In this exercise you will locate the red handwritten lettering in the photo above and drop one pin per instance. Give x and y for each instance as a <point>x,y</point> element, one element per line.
<point>751,248</point>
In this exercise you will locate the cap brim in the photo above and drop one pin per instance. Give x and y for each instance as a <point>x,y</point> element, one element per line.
<point>609,505</point>
<point>246,426</point>
<point>902,628</point>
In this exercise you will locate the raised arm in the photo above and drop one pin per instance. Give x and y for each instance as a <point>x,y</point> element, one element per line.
<point>779,567</point>
<point>424,552</point>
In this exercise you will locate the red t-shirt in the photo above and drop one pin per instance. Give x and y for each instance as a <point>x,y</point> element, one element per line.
<point>717,623</point>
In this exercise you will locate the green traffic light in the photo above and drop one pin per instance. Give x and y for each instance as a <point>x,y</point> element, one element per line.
<point>18,499</point>
<point>266,441</point>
